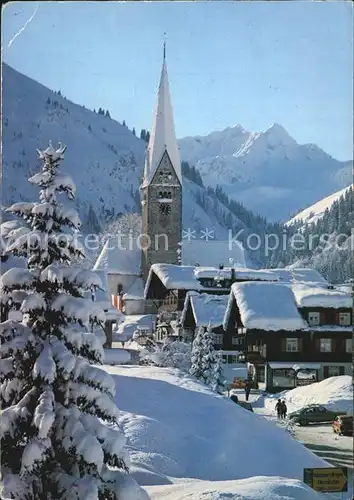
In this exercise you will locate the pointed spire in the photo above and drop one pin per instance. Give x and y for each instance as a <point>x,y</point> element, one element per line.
<point>162,136</point>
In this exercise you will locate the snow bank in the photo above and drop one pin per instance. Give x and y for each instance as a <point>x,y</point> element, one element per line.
<point>335,393</point>
<point>116,356</point>
<point>172,423</point>
<point>311,296</point>
<point>266,306</point>
<point>256,488</point>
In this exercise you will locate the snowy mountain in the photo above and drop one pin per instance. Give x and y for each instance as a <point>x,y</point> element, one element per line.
<point>317,210</point>
<point>269,172</point>
<point>103,157</point>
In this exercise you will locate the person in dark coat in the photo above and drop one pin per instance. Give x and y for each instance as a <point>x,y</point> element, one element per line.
<point>284,409</point>
<point>278,408</point>
<point>247,389</point>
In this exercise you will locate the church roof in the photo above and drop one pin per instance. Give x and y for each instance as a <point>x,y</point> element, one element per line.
<point>212,253</point>
<point>162,135</point>
<point>119,256</point>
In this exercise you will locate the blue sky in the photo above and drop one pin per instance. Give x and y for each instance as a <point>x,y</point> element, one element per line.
<point>252,63</point>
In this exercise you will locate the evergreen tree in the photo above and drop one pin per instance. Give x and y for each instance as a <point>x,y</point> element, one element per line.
<point>209,358</point>
<point>107,114</point>
<point>59,434</point>
<point>197,355</point>
<point>143,134</point>
<point>134,133</point>
<point>147,136</point>
<point>124,124</point>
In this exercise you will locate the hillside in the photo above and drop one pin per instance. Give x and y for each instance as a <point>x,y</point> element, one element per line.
<point>103,157</point>
<point>269,172</point>
<point>170,420</point>
<point>317,210</point>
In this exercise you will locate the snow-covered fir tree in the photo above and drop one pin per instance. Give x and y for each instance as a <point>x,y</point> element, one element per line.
<point>196,368</point>
<point>209,360</point>
<point>59,423</point>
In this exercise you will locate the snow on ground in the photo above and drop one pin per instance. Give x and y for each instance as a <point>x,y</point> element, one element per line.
<point>256,488</point>
<point>176,428</point>
<point>116,356</point>
<point>335,393</point>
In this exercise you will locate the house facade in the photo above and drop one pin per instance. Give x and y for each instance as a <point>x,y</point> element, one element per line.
<point>314,344</point>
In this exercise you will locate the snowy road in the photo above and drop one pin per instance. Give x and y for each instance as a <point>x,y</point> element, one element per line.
<point>320,439</point>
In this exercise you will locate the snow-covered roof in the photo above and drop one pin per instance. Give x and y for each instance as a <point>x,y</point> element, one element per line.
<point>265,306</point>
<point>136,291</point>
<point>162,136</point>
<point>295,366</point>
<point>119,255</point>
<point>103,297</point>
<point>207,308</point>
<point>212,253</point>
<point>175,277</point>
<point>302,275</point>
<point>314,296</point>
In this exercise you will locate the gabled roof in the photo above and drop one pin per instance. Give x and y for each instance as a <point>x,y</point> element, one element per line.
<point>265,306</point>
<point>315,296</point>
<point>300,275</point>
<point>207,309</point>
<point>162,135</point>
<point>119,256</point>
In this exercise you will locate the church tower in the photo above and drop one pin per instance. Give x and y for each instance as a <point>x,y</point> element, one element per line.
<point>161,189</point>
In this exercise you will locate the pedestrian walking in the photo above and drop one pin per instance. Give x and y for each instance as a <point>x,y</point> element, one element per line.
<point>284,409</point>
<point>278,408</point>
<point>247,389</point>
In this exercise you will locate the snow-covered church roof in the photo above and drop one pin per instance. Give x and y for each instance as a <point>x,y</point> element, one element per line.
<point>207,309</point>
<point>162,135</point>
<point>119,255</point>
<point>136,290</point>
<point>265,306</point>
<point>212,253</point>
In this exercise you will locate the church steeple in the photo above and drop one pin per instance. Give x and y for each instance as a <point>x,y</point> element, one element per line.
<point>161,189</point>
<point>162,135</point>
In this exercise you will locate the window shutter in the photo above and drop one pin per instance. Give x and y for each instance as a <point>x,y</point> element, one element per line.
<point>283,344</point>
<point>325,372</point>
<point>341,370</point>
<point>317,344</point>
<point>300,344</point>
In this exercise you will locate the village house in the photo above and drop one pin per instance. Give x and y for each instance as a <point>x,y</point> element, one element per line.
<point>291,334</point>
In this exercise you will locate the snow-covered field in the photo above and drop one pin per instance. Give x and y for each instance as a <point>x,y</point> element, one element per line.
<point>179,432</point>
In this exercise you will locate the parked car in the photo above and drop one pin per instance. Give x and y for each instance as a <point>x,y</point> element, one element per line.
<point>343,425</point>
<point>312,414</point>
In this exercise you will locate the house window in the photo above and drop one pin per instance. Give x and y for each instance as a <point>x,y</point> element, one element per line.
<point>224,358</point>
<point>334,371</point>
<point>292,345</point>
<point>232,359</point>
<point>326,345</point>
<point>314,318</point>
<point>348,345</point>
<point>344,319</point>
<point>219,338</point>
<point>235,341</point>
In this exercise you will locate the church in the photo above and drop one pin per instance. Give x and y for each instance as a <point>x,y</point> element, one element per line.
<point>162,237</point>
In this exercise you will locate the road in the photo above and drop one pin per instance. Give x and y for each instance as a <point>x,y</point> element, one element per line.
<point>320,439</point>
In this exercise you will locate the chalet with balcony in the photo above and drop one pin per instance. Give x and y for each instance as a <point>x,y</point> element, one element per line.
<point>274,323</point>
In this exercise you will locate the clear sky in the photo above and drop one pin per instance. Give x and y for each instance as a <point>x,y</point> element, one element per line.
<point>252,63</point>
